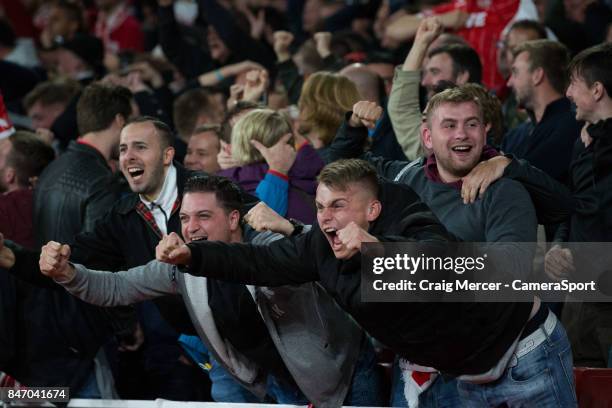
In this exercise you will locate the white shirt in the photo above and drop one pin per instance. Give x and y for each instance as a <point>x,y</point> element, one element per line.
<point>166,199</point>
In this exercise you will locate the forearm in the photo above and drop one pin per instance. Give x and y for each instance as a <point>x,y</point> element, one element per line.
<point>348,144</point>
<point>404,28</point>
<point>26,267</point>
<point>405,112</point>
<point>414,59</point>
<point>349,141</point>
<point>552,200</point>
<point>279,263</point>
<point>105,288</point>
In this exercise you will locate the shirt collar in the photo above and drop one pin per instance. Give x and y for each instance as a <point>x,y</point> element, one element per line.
<point>168,194</point>
<point>559,106</point>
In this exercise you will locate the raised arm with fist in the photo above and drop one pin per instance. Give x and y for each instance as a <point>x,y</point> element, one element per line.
<point>282,41</point>
<point>366,114</point>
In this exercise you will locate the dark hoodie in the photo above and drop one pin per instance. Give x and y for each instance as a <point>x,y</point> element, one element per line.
<point>466,338</point>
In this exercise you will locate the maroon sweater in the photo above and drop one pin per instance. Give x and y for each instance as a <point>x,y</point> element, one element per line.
<point>16,217</point>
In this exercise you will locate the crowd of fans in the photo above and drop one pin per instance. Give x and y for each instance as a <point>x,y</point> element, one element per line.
<point>226,159</point>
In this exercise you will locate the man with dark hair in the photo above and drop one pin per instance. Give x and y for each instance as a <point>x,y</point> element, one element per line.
<point>65,20</point>
<point>48,100</point>
<point>203,147</point>
<point>125,236</point>
<point>193,108</point>
<point>519,33</point>
<point>76,190</point>
<point>404,105</point>
<point>355,207</point>
<point>538,81</point>
<point>49,330</point>
<point>589,324</point>
<point>80,57</point>
<point>23,156</point>
<point>456,63</point>
<point>211,210</point>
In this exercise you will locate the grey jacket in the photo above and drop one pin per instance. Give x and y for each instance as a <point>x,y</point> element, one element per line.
<point>316,339</point>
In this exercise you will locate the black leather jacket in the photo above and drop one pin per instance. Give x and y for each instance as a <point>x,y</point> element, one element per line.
<point>72,193</point>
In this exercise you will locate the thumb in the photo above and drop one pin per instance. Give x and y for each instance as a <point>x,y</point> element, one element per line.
<point>179,252</point>
<point>65,251</point>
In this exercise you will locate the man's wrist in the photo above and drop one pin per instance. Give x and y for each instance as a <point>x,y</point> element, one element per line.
<point>287,228</point>
<point>67,276</point>
<point>295,227</point>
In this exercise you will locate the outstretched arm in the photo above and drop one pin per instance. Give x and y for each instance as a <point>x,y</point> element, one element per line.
<point>105,288</point>
<point>284,262</point>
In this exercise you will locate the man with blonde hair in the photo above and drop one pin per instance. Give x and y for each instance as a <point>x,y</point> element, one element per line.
<point>455,132</point>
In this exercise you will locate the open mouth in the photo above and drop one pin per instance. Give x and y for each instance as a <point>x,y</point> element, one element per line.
<point>332,236</point>
<point>135,172</point>
<point>196,239</point>
<point>462,150</point>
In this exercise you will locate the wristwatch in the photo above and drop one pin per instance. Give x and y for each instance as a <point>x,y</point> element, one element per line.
<point>298,227</point>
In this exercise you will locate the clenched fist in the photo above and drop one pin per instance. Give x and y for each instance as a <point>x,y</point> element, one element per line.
<point>558,263</point>
<point>351,237</point>
<point>263,218</point>
<point>172,250</point>
<point>54,261</point>
<point>429,29</point>
<point>366,114</point>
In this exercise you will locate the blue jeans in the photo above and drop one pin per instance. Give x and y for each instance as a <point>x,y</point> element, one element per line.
<point>225,388</point>
<point>366,384</point>
<point>541,378</point>
<point>365,389</point>
<point>397,386</point>
<point>89,389</point>
<point>284,393</point>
